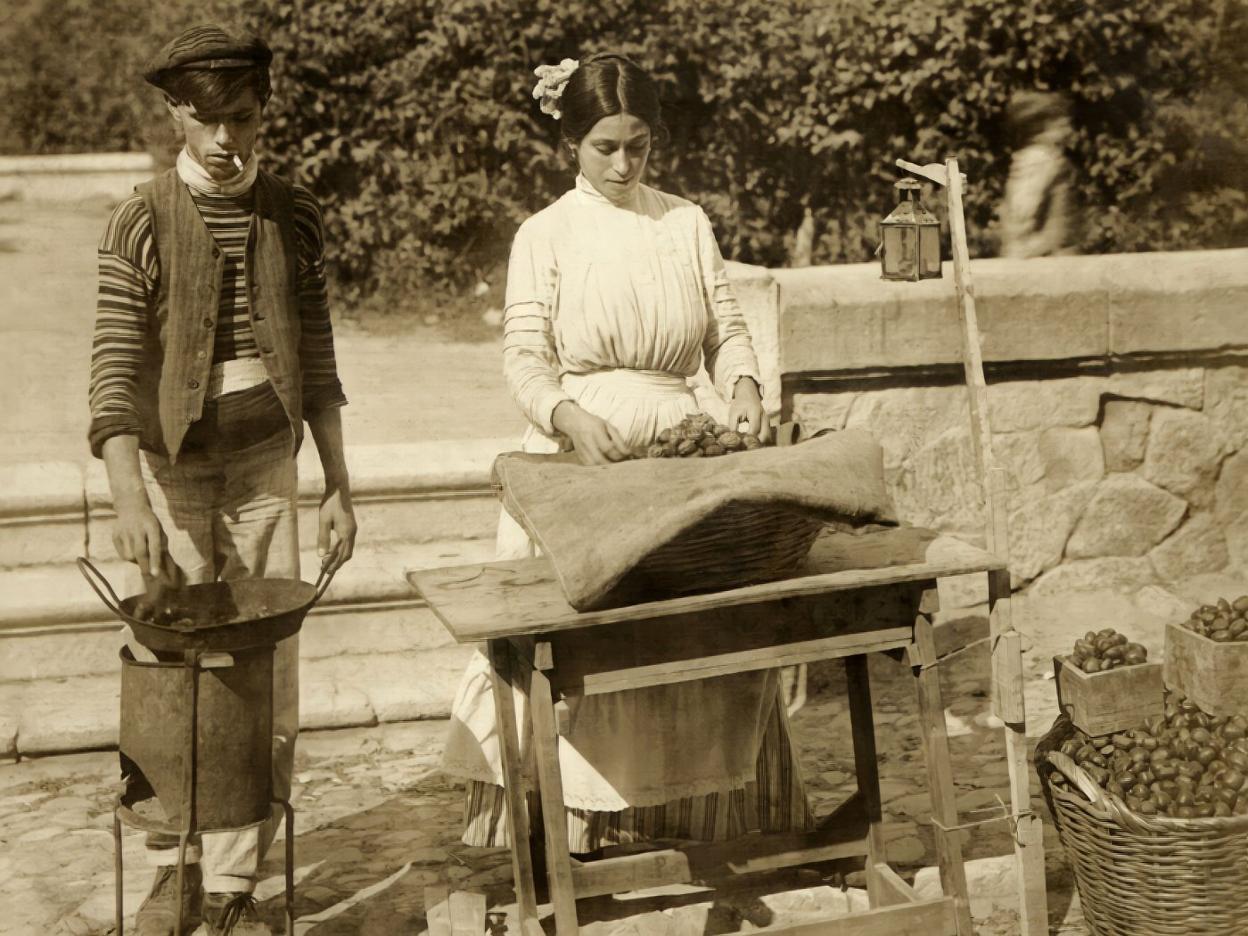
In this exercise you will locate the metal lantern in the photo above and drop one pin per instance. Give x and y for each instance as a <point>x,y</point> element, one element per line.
<point>910,238</point>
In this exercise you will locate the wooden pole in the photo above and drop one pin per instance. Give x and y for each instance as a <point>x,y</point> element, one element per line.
<point>1007,657</point>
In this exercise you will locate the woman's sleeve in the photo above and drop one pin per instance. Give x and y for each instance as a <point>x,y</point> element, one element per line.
<point>726,347</point>
<point>530,359</point>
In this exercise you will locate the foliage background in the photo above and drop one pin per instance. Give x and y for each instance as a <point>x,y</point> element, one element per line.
<point>412,119</point>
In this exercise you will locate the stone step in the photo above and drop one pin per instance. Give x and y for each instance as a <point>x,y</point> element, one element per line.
<point>53,512</point>
<point>52,626</point>
<point>53,716</point>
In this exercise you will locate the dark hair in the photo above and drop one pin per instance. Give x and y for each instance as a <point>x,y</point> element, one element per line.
<point>604,85</point>
<point>1031,112</point>
<point>210,89</point>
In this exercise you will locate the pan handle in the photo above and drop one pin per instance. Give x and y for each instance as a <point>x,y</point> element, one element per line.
<point>322,584</point>
<point>95,578</point>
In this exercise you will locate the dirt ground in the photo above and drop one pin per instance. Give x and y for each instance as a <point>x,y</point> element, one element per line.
<point>405,383</point>
<point>377,824</point>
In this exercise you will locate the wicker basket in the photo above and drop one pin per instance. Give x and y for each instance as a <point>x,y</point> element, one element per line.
<point>739,545</point>
<point>1144,875</point>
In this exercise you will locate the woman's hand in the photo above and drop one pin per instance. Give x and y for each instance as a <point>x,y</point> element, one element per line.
<point>595,440</point>
<point>747,407</point>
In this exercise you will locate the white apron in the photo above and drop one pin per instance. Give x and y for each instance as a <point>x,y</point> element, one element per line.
<point>640,747</point>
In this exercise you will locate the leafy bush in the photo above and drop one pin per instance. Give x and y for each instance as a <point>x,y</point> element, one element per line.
<point>413,121</point>
<point>71,73</point>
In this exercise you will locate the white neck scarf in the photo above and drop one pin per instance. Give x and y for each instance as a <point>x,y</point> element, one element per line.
<point>197,177</point>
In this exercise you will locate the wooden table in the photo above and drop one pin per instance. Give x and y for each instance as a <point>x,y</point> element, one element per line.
<point>855,595</point>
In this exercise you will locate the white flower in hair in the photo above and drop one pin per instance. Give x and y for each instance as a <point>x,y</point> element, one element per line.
<point>551,80</point>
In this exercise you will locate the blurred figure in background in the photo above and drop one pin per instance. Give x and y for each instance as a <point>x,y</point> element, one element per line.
<point>1038,217</point>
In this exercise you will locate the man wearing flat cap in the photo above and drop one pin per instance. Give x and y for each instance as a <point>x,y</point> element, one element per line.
<point>212,347</point>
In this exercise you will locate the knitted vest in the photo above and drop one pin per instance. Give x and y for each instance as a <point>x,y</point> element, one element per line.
<point>180,343</point>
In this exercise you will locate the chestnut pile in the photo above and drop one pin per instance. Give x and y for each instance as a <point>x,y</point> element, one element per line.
<point>699,436</point>
<point>1098,651</point>
<point>1183,763</point>
<point>1223,622</point>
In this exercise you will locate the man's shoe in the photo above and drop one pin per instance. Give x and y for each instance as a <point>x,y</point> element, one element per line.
<point>233,915</point>
<point>157,912</point>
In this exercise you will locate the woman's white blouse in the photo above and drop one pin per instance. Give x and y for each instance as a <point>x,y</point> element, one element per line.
<point>593,285</point>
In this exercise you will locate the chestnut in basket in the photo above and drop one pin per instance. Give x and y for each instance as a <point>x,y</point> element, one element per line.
<point>698,436</point>
<point>1097,651</point>
<point>1184,763</point>
<point>1223,622</point>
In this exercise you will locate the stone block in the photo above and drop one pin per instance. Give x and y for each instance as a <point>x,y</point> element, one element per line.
<point>905,419</point>
<point>1120,573</point>
<point>1183,453</point>
<point>815,411</point>
<point>1070,456</point>
<point>1192,300</point>
<point>1180,386</point>
<point>331,693</point>
<point>8,728</point>
<point>1197,546</point>
<point>1039,531</point>
<point>1124,433</point>
<point>962,591</point>
<point>1019,454</point>
<point>1022,405</point>
<point>1231,492</point>
<point>1163,604</point>
<point>938,486</point>
<point>42,513</point>
<point>407,686</point>
<point>846,317</point>
<point>1236,532</point>
<point>1127,516</point>
<point>381,627</point>
<point>1226,403</point>
<point>59,715</point>
<point>52,652</point>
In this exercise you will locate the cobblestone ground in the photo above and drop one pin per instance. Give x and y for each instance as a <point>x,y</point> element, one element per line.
<point>377,824</point>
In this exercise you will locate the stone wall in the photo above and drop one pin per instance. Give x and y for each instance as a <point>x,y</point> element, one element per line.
<point>73,178</point>
<point>1118,398</point>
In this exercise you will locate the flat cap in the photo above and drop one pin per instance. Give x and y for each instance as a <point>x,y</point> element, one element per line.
<point>207,47</point>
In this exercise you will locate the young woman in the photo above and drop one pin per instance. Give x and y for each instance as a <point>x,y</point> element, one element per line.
<point>616,295</point>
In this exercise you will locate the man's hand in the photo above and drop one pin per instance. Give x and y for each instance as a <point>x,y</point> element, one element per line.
<point>335,541</point>
<point>137,536</point>
<point>594,440</point>
<point>747,407</point>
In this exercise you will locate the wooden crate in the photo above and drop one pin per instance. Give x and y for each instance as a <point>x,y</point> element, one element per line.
<point>1116,700</point>
<point>1213,675</point>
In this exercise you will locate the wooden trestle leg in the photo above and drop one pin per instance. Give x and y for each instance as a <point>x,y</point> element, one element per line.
<point>554,819</point>
<point>503,676</point>
<point>867,769</point>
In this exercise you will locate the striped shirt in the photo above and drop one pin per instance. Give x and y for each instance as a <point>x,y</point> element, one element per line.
<point>228,219</point>
<point>129,273</point>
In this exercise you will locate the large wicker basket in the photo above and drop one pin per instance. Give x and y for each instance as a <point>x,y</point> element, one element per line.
<point>739,545</point>
<point>1144,875</point>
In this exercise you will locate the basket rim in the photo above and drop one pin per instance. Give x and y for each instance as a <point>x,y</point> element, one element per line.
<point>1115,808</point>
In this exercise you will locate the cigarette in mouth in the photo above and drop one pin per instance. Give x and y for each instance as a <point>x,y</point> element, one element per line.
<point>238,163</point>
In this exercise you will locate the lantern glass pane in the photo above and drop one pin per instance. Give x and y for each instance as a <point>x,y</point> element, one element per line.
<point>900,251</point>
<point>929,251</point>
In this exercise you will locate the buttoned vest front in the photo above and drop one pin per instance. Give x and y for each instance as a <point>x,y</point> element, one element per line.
<point>183,321</point>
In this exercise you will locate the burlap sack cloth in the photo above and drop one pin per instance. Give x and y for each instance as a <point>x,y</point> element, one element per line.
<point>597,523</point>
